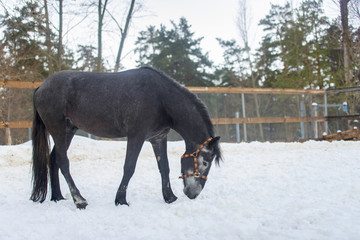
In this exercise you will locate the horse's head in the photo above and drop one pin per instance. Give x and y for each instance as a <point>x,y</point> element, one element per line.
<point>196,166</point>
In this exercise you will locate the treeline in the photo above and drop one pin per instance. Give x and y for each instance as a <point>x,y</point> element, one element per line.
<point>301,47</point>
<point>32,44</point>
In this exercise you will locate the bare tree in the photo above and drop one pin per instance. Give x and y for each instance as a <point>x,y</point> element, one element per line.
<point>346,39</point>
<point>101,14</point>
<point>354,10</point>
<point>60,47</point>
<point>48,39</point>
<point>123,35</point>
<point>243,24</point>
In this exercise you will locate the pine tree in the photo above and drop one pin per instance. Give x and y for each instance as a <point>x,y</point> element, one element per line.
<point>24,43</point>
<point>87,60</point>
<point>176,52</point>
<point>294,52</point>
<point>233,72</point>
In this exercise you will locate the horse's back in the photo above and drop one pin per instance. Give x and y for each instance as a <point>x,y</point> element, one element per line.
<point>78,86</point>
<point>130,79</point>
<point>107,104</point>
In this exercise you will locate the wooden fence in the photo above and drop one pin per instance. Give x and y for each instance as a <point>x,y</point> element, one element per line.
<point>19,84</point>
<point>216,121</point>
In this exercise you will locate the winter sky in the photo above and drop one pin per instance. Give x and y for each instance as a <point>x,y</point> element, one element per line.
<point>210,19</point>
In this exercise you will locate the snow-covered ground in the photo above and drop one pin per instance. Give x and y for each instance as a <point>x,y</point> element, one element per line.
<point>261,191</point>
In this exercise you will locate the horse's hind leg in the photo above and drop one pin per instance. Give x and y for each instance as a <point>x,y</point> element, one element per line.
<point>54,178</point>
<point>160,150</point>
<point>62,139</point>
<point>63,162</point>
<point>54,168</point>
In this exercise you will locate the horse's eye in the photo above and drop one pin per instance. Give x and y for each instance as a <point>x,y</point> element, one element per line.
<point>205,163</point>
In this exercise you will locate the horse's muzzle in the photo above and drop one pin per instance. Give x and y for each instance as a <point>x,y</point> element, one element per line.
<point>192,193</point>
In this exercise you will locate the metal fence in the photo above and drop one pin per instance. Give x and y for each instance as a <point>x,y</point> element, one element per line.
<point>239,114</point>
<point>283,115</point>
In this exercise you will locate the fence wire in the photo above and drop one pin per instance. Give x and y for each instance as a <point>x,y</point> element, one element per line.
<point>16,105</point>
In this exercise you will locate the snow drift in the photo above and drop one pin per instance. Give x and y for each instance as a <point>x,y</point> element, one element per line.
<point>261,191</point>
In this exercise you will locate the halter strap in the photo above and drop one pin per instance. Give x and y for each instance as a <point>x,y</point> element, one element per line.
<point>194,155</point>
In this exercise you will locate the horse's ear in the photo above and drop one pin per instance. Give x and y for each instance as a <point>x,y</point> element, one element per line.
<point>214,141</point>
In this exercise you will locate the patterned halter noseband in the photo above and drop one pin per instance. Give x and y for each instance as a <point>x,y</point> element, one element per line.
<point>195,155</point>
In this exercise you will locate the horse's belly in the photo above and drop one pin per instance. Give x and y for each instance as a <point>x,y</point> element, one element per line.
<point>105,133</point>
<point>99,127</point>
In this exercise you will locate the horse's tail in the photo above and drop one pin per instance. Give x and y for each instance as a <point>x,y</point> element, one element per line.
<point>41,158</point>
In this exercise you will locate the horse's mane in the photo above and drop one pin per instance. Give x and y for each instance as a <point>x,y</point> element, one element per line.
<point>200,107</point>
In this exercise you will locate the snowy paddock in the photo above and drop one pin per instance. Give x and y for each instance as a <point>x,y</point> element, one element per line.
<point>261,191</point>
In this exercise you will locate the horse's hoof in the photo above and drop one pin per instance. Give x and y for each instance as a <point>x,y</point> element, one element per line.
<point>80,203</point>
<point>171,199</point>
<point>121,202</point>
<point>81,206</point>
<point>56,199</point>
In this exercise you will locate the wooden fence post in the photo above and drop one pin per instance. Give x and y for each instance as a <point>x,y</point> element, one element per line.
<point>314,113</point>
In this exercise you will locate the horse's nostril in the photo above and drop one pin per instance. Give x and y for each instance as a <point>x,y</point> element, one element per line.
<point>190,194</point>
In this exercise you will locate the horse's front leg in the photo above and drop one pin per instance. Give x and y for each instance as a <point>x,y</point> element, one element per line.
<point>134,146</point>
<point>160,150</point>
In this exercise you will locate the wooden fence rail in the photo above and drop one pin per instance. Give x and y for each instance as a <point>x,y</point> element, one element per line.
<point>254,120</point>
<point>16,124</point>
<point>19,84</point>
<point>255,90</point>
<point>216,121</point>
<point>32,85</point>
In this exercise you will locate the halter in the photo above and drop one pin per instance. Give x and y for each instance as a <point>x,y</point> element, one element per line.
<point>195,154</point>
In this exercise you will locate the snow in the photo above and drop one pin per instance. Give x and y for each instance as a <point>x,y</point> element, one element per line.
<point>276,191</point>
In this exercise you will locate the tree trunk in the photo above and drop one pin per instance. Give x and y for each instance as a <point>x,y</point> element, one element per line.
<point>99,55</point>
<point>8,139</point>
<point>60,49</point>
<point>243,28</point>
<point>257,105</point>
<point>345,40</point>
<point>347,55</point>
<point>101,13</point>
<point>123,35</point>
<point>48,40</point>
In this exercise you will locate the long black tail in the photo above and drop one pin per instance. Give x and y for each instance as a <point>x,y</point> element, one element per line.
<point>41,158</point>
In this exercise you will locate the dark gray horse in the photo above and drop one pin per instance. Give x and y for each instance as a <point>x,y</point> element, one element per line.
<point>142,104</point>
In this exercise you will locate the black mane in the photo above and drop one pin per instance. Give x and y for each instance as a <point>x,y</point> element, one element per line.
<point>200,106</point>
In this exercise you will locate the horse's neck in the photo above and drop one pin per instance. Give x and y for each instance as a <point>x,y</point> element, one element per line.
<point>189,123</point>
<point>194,138</point>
